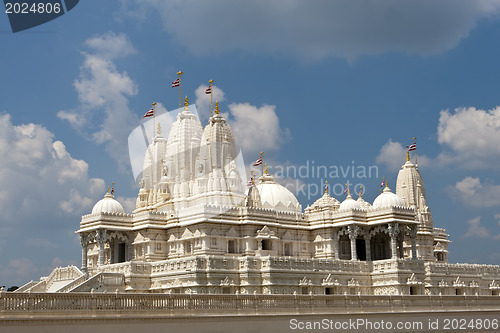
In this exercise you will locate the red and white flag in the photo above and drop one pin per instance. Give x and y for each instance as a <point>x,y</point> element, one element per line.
<point>383,184</point>
<point>346,189</point>
<point>411,147</point>
<point>250,182</point>
<point>176,83</point>
<point>258,162</point>
<point>150,113</point>
<point>209,90</point>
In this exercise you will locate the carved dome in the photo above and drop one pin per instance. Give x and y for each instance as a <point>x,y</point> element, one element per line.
<point>108,205</point>
<point>349,203</point>
<point>276,196</point>
<point>387,199</point>
<point>326,201</point>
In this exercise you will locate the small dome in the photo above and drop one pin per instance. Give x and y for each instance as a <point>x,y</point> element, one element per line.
<point>387,199</point>
<point>108,205</point>
<point>349,203</point>
<point>326,201</point>
<point>276,196</point>
<point>362,203</point>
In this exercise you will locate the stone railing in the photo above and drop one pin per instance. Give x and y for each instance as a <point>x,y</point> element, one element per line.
<point>25,287</point>
<point>463,269</point>
<point>57,305</point>
<point>100,280</point>
<point>73,284</point>
<point>381,266</point>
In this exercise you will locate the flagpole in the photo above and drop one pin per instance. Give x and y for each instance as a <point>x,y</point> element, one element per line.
<point>211,98</point>
<point>262,158</point>
<point>154,120</point>
<point>180,96</point>
<point>415,143</point>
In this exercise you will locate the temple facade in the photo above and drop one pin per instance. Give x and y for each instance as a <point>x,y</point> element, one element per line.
<point>198,227</point>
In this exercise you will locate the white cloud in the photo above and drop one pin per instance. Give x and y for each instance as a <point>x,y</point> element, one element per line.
<point>256,129</point>
<point>103,93</point>
<point>21,268</point>
<point>111,45</point>
<point>392,154</point>
<point>203,100</point>
<point>470,137</point>
<point>127,203</point>
<point>471,192</point>
<point>318,29</point>
<point>38,173</point>
<point>476,230</point>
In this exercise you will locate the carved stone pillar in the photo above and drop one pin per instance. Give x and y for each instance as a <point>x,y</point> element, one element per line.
<point>101,239</point>
<point>393,232</point>
<point>353,233</point>
<point>336,245</point>
<point>413,236</point>
<point>329,248</point>
<point>368,247</point>
<point>84,243</point>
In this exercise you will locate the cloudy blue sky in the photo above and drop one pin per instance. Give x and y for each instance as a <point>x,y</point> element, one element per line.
<point>339,84</point>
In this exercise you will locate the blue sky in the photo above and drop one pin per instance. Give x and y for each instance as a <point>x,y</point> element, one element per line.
<point>325,83</point>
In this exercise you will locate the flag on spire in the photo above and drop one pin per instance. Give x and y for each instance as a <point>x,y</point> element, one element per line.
<point>176,83</point>
<point>258,162</point>
<point>383,183</point>
<point>412,147</point>
<point>209,90</point>
<point>250,182</point>
<point>346,189</point>
<point>150,113</point>
<point>326,187</point>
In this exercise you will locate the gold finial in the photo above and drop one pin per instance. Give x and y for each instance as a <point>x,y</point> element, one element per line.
<point>252,177</point>
<point>180,73</point>
<point>211,98</point>
<point>153,104</point>
<point>326,186</point>
<point>407,155</point>
<point>348,189</point>
<point>186,103</point>
<point>159,129</point>
<point>217,107</point>
<point>108,189</point>
<point>265,168</point>
<point>360,191</point>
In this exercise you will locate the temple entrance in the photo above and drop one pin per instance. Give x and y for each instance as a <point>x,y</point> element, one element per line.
<point>121,252</point>
<point>381,246</point>
<point>344,248</point>
<point>361,249</point>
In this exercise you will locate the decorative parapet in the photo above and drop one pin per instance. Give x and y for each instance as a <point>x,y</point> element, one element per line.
<point>330,281</point>
<point>494,285</point>
<point>412,280</point>
<point>305,282</point>
<point>353,283</point>
<point>443,283</point>
<point>459,283</point>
